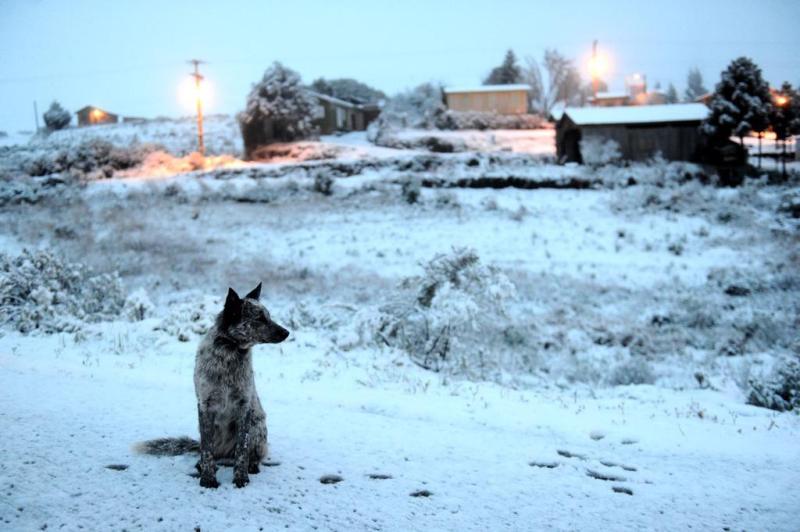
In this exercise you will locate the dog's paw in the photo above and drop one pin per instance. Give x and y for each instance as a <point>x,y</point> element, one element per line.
<point>209,482</point>
<point>241,481</point>
<point>253,469</point>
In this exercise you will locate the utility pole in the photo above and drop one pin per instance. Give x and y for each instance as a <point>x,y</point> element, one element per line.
<point>36,115</point>
<point>197,79</point>
<point>594,70</point>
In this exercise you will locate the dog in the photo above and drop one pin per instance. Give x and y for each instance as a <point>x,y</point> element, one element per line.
<point>233,425</point>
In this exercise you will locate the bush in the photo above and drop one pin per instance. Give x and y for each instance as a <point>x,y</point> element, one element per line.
<point>323,183</point>
<point>56,117</point>
<point>479,120</point>
<point>780,391</point>
<point>411,190</point>
<point>40,291</point>
<point>597,151</point>
<point>635,370</point>
<point>92,158</point>
<point>453,317</point>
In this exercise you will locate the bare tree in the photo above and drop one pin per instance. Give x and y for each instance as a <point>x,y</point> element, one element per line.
<point>559,81</point>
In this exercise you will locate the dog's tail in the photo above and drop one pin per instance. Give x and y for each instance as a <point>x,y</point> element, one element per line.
<point>168,446</point>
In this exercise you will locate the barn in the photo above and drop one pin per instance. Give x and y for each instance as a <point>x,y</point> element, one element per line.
<point>500,99</point>
<point>641,131</point>
<point>91,115</point>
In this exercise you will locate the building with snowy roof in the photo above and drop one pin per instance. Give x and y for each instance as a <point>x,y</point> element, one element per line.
<point>640,131</point>
<point>91,116</point>
<point>500,99</point>
<point>335,114</point>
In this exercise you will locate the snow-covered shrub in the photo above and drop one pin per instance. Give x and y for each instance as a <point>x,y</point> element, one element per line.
<point>56,117</point>
<point>418,108</point>
<point>279,108</point>
<point>482,120</point>
<point>452,317</point>
<point>41,291</point>
<point>138,305</point>
<point>323,184</point>
<point>93,158</point>
<point>779,391</point>
<point>411,190</point>
<point>597,151</point>
<point>636,370</point>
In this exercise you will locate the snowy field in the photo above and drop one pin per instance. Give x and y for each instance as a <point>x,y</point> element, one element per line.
<point>602,347</point>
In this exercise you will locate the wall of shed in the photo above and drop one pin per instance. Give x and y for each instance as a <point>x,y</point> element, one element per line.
<point>504,102</point>
<point>675,142</point>
<point>85,118</point>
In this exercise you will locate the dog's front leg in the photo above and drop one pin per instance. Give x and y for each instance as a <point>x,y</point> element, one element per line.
<point>208,468</point>
<point>242,451</point>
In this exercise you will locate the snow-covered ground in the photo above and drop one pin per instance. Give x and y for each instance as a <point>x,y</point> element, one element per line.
<point>614,399</point>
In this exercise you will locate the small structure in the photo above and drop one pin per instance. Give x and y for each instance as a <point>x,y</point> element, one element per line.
<point>610,99</point>
<point>500,99</point>
<point>91,116</point>
<point>641,131</point>
<point>340,115</point>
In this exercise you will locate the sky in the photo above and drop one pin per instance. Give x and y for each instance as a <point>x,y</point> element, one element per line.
<point>130,57</point>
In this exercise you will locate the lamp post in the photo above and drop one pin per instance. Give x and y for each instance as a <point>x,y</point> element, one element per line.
<point>782,101</point>
<point>198,104</point>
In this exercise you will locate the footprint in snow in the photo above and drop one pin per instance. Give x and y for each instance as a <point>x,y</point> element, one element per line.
<point>421,493</point>
<point>570,454</point>
<point>622,489</point>
<point>117,467</point>
<point>609,463</point>
<point>608,477</point>
<point>330,479</point>
<point>629,441</point>
<point>597,435</point>
<point>548,465</point>
<point>379,476</point>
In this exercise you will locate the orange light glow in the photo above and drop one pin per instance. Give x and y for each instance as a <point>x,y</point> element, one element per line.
<point>598,65</point>
<point>189,93</point>
<point>781,100</point>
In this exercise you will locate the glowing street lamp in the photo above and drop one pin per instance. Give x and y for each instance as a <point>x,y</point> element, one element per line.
<point>598,66</point>
<point>193,93</point>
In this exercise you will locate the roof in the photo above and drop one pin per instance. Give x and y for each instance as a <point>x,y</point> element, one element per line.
<point>92,108</point>
<point>344,103</point>
<point>489,88</point>
<point>637,114</point>
<point>618,94</point>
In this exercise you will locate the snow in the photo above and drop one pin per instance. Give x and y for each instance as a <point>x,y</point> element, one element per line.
<point>637,114</point>
<point>489,88</point>
<point>613,284</point>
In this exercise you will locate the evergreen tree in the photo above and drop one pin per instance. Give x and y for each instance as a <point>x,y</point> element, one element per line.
<point>785,116</point>
<point>672,94</point>
<point>507,73</point>
<point>280,100</point>
<point>56,117</point>
<point>694,85</point>
<point>741,103</point>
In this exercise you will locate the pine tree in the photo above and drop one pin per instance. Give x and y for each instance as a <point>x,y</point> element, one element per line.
<point>694,85</point>
<point>56,117</point>
<point>672,94</point>
<point>785,116</point>
<point>741,103</point>
<point>506,74</point>
<point>278,102</point>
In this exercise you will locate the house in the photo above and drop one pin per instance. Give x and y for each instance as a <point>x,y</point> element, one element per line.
<point>610,99</point>
<point>640,131</point>
<point>501,99</point>
<point>91,115</point>
<point>335,114</point>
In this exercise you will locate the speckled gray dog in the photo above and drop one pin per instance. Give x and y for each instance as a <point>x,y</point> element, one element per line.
<point>232,422</point>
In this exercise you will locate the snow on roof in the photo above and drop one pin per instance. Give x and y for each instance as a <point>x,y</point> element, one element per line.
<point>489,88</point>
<point>617,94</point>
<point>637,114</point>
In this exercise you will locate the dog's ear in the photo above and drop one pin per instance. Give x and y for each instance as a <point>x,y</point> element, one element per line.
<point>255,293</point>
<point>232,313</point>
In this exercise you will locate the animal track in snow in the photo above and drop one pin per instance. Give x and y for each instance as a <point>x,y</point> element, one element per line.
<point>117,467</point>
<point>622,489</point>
<point>421,493</point>
<point>379,476</point>
<point>570,454</point>
<point>604,476</point>
<point>608,463</point>
<point>548,465</point>
<point>330,479</point>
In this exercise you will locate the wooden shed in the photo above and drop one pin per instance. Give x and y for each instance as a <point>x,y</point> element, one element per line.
<point>501,99</point>
<point>91,115</point>
<point>641,131</point>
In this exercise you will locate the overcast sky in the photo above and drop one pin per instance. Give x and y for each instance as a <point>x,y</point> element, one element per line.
<point>129,57</point>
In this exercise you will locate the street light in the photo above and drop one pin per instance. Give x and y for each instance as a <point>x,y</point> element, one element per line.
<point>193,93</point>
<point>598,66</point>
